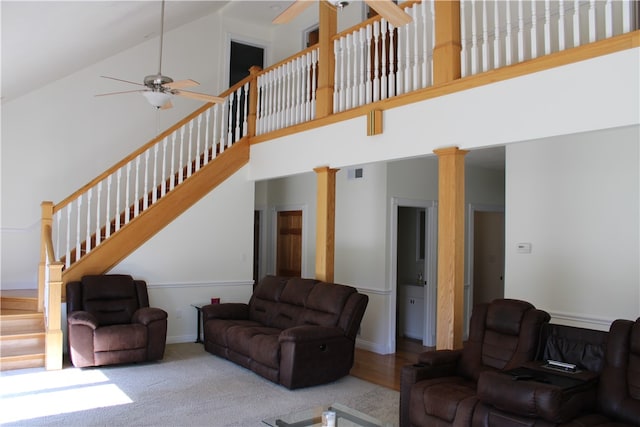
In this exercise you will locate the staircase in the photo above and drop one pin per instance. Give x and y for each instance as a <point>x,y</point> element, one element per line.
<point>22,331</point>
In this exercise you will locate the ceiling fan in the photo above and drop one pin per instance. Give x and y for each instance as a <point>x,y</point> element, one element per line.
<point>159,89</point>
<point>385,8</point>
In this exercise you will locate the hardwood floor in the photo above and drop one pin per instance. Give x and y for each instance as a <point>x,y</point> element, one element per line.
<point>385,369</point>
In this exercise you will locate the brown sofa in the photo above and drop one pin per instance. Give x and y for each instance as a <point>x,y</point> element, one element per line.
<point>110,322</point>
<point>295,332</point>
<point>440,390</point>
<point>603,392</point>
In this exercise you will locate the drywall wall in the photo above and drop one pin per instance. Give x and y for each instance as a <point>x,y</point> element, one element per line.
<point>576,200</point>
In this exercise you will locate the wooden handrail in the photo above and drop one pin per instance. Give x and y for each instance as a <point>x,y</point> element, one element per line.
<point>148,145</point>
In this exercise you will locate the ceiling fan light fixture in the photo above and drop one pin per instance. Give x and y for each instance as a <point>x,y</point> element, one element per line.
<point>156,98</point>
<point>340,4</point>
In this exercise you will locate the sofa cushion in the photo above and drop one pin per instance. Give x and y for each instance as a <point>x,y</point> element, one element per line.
<point>446,399</point>
<point>217,331</point>
<point>325,304</point>
<point>120,337</point>
<point>297,290</point>
<point>265,349</point>
<point>240,338</point>
<point>111,298</point>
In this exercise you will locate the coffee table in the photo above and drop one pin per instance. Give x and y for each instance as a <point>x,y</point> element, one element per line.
<point>345,417</point>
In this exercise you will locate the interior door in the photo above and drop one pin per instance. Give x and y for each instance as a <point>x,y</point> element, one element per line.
<point>488,256</point>
<point>289,244</point>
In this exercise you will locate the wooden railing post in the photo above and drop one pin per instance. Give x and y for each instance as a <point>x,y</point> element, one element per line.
<point>45,224</point>
<point>253,100</point>
<point>446,52</point>
<point>325,223</point>
<point>53,337</point>
<point>326,59</point>
<point>450,248</point>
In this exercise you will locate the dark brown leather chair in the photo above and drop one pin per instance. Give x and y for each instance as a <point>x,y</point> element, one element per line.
<point>440,390</point>
<point>618,398</point>
<point>109,322</point>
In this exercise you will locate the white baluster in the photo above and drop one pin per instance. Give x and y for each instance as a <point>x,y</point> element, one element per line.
<point>392,62</point>
<point>497,36</point>
<point>592,21</point>
<point>145,189</point>
<point>383,59</point>
<point>189,149</point>
<point>154,188</point>
<point>78,228</point>
<point>238,118</point>
<point>400,87</point>
<point>286,102</point>
<point>474,38</point>
<point>534,30</point>
<point>576,23</point>
<point>608,19</point>
<point>357,60</point>
<point>408,65</point>
<point>426,45</point>
<point>369,88</point>
<point>172,183</point>
<point>520,30</point>
<point>58,218</point>
<point>314,68</point>
<point>296,102</point>
<point>98,231</point>
<point>214,136</point>
<point>68,251</point>
<point>561,26</point>
<point>464,69</point>
<point>163,189</point>
<point>306,86</point>
<point>416,48</point>
<point>547,27</point>
<point>136,210</point>
<point>341,80</point>
<point>108,208</point>
<point>627,15</point>
<point>485,37</point>
<point>348,72</point>
<point>118,195</point>
<point>87,245</point>
<point>198,138</point>
<point>376,60</point>
<point>230,120</point>
<point>508,44</point>
<point>206,135</point>
<point>127,204</point>
<point>181,162</point>
<point>245,125</point>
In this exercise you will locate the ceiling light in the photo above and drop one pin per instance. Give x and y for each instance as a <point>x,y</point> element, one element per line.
<point>156,98</point>
<point>340,4</point>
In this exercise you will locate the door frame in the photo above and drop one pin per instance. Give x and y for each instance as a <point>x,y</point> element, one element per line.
<point>472,208</point>
<point>273,236</point>
<point>431,275</point>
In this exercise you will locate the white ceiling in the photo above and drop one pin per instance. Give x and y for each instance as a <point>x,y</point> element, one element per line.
<point>43,41</point>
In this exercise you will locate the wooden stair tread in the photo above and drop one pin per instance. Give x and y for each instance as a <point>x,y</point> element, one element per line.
<point>22,362</point>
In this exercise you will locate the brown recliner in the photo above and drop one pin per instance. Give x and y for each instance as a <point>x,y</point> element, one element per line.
<point>109,322</point>
<point>440,390</point>
<point>618,398</point>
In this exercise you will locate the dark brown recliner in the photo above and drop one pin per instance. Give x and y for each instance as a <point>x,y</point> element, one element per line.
<point>441,389</point>
<point>109,322</point>
<point>618,398</point>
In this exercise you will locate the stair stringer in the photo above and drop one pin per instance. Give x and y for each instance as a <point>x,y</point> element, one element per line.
<point>157,216</point>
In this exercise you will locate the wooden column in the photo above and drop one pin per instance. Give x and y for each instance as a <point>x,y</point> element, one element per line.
<point>446,53</point>
<point>450,248</point>
<point>253,101</point>
<point>325,222</point>
<point>53,336</point>
<point>46,219</point>
<point>326,60</point>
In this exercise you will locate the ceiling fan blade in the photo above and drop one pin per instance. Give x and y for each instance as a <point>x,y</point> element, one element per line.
<point>198,96</point>
<point>121,80</point>
<point>118,93</point>
<point>296,8</point>
<point>390,11</point>
<point>181,83</point>
<point>167,106</point>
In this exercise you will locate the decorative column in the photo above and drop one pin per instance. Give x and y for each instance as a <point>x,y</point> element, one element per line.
<point>325,223</point>
<point>450,248</point>
<point>446,53</point>
<point>326,60</point>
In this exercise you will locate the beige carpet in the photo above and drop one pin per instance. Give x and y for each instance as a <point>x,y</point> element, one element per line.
<point>188,387</point>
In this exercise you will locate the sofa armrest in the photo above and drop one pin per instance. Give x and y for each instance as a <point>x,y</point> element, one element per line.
<point>309,333</point>
<point>228,310</point>
<point>146,315</point>
<point>82,318</point>
<point>440,358</point>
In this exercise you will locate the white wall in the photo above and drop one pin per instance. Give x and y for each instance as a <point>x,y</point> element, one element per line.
<point>576,200</point>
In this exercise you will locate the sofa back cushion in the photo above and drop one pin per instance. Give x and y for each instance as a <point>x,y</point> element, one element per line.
<point>292,302</point>
<point>264,301</point>
<point>582,347</point>
<point>325,304</point>
<point>111,298</point>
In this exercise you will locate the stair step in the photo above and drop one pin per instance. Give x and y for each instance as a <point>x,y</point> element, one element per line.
<point>22,344</point>
<point>22,362</point>
<point>21,323</point>
<point>19,299</point>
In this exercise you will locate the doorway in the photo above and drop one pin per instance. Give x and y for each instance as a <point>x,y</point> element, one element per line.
<point>243,56</point>
<point>289,244</point>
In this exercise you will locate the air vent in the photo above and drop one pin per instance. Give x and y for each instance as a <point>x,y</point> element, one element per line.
<point>355,173</point>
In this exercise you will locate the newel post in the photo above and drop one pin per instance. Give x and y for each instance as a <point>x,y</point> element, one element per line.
<point>53,337</point>
<point>451,193</point>
<point>46,219</point>
<point>446,53</point>
<point>253,100</point>
<point>326,60</point>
